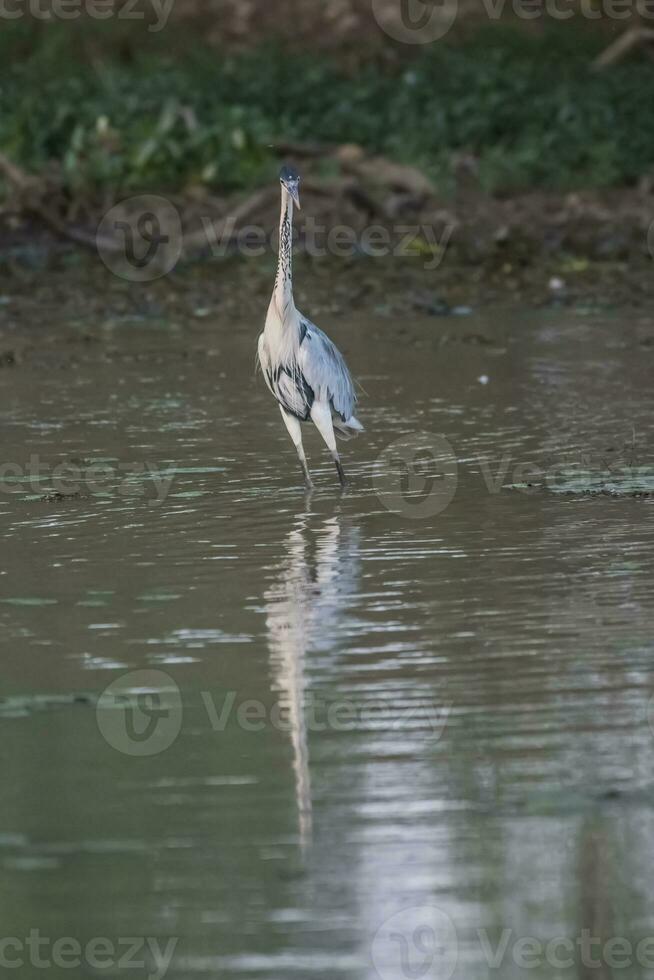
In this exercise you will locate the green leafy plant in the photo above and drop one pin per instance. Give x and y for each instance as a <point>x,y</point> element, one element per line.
<point>527,109</point>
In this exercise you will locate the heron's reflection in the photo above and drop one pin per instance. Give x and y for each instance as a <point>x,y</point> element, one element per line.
<point>314,581</point>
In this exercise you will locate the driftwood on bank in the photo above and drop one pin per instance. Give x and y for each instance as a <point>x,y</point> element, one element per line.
<point>634,37</point>
<point>366,183</point>
<point>31,192</point>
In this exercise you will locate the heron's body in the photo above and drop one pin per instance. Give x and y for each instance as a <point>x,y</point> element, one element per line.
<point>304,370</point>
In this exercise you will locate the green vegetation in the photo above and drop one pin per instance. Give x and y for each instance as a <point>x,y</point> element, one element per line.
<point>527,108</point>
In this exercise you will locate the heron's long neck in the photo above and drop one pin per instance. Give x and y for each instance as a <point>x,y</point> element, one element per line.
<point>284,280</point>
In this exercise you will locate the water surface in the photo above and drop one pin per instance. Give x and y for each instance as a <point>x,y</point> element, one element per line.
<point>376,705</point>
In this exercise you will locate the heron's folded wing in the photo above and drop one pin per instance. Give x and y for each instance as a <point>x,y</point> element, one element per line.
<point>325,370</point>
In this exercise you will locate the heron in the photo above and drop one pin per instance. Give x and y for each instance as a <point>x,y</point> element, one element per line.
<point>304,370</point>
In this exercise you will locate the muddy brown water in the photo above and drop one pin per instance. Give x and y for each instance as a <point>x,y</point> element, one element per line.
<point>371,735</point>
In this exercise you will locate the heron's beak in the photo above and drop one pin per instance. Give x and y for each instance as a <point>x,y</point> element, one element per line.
<point>294,191</point>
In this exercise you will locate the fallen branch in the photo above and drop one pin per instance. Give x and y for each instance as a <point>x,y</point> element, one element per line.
<point>33,194</point>
<point>619,49</point>
<point>308,150</point>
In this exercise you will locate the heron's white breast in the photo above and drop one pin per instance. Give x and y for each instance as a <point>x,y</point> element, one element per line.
<point>282,335</point>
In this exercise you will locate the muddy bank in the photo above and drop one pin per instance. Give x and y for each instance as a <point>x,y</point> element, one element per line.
<point>51,287</point>
<point>379,237</point>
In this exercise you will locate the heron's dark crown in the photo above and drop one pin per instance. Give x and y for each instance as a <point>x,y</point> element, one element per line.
<point>288,175</point>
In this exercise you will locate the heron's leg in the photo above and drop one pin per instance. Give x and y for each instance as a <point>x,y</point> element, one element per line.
<point>295,432</point>
<point>321,416</point>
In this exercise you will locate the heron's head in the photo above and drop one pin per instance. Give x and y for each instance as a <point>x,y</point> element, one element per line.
<point>290,179</point>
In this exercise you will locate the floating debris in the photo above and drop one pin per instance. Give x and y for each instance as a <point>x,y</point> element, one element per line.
<point>23,705</point>
<point>628,482</point>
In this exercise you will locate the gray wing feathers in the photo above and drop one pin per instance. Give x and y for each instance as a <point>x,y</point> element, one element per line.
<point>325,370</point>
